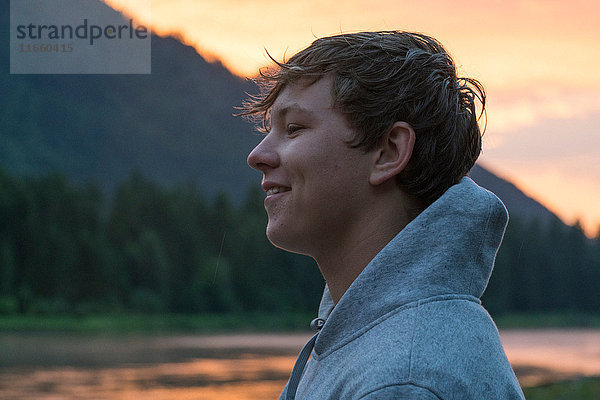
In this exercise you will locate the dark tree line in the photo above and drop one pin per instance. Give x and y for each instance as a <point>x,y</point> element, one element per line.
<point>66,249</point>
<point>545,268</point>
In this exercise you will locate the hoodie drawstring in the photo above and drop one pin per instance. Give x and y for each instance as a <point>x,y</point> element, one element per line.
<point>299,368</point>
<point>316,325</point>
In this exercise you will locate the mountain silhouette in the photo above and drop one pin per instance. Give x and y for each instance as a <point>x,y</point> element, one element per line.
<point>517,202</point>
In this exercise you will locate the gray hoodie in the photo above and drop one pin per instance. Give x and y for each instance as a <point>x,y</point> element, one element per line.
<point>411,326</point>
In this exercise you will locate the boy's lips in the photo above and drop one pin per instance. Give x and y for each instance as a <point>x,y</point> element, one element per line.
<point>277,189</point>
<point>272,188</point>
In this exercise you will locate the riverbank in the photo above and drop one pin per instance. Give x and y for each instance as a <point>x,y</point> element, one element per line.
<point>548,320</point>
<point>125,323</point>
<point>579,389</point>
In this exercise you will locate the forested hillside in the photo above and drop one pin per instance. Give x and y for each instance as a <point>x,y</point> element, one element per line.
<point>65,250</point>
<point>175,125</point>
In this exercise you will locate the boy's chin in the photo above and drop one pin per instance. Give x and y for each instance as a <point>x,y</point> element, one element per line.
<point>284,240</point>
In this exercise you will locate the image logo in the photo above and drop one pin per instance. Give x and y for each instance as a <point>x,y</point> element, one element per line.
<point>76,37</point>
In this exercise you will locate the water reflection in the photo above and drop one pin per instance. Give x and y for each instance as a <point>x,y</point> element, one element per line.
<point>226,366</point>
<point>542,356</point>
<point>247,377</point>
<point>242,367</point>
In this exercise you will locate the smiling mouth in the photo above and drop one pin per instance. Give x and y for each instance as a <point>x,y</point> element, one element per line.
<point>277,189</point>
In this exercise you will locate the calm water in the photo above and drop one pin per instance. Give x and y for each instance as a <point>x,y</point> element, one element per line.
<point>226,366</point>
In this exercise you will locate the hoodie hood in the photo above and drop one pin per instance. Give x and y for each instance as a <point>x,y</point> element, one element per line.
<point>448,249</point>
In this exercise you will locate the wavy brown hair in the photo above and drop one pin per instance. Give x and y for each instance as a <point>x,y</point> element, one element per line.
<point>384,77</point>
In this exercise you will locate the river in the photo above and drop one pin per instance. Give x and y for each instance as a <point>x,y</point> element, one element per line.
<point>219,367</point>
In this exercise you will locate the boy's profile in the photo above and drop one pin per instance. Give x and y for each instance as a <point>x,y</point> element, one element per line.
<point>368,140</point>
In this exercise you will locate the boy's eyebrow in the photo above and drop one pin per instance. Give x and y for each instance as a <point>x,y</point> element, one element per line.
<point>282,111</point>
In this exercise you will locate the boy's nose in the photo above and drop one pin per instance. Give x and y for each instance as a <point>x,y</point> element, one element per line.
<point>263,156</point>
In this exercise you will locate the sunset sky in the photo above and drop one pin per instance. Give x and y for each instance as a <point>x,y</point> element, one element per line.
<point>537,58</point>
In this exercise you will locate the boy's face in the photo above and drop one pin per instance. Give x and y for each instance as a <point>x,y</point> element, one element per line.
<point>316,184</point>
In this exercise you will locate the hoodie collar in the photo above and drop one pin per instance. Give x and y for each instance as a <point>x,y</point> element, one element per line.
<point>449,248</point>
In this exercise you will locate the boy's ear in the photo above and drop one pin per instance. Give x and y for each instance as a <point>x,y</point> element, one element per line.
<point>393,154</point>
